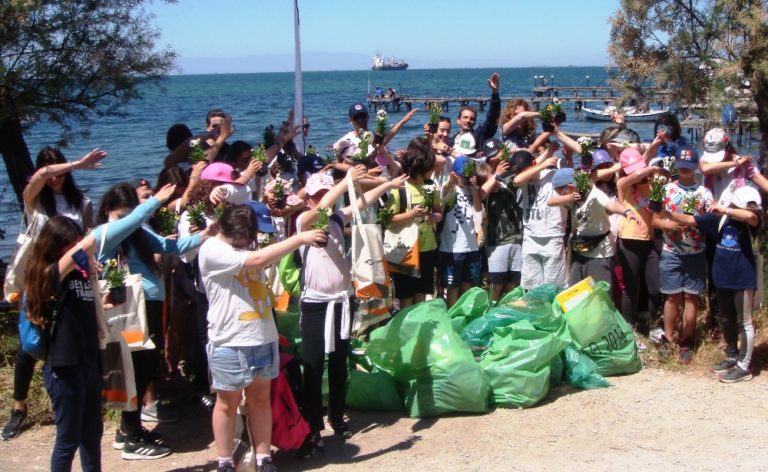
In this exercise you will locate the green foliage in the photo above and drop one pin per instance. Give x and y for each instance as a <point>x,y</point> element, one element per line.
<point>549,112</point>
<point>323,214</point>
<point>470,169</point>
<point>114,273</point>
<point>259,153</point>
<point>196,214</point>
<point>504,153</point>
<point>165,221</point>
<point>382,128</point>
<point>658,184</point>
<point>583,182</point>
<point>365,142</point>
<point>435,112</point>
<point>384,217</point>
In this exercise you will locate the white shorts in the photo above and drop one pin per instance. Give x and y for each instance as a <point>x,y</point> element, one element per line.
<point>543,262</point>
<point>505,258</point>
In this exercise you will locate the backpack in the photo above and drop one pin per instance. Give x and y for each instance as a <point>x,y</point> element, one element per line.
<point>289,428</point>
<point>35,339</point>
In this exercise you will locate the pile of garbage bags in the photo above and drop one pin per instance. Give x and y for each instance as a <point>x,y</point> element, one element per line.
<point>429,360</point>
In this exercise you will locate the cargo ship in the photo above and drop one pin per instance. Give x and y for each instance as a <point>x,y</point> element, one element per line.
<point>392,63</point>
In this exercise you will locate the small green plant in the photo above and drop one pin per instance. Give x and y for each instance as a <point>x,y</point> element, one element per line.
<point>114,274</point>
<point>197,154</point>
<point>429,191</point>
<point>166,221</point>
<point>384,217</point>
<point>323,215</point>
<point>196,214</point>
<point>365,143</point>
<point>504,153</point>
<point>585,143</point>
<point>582,181</point>
<point>435,112</point>
<point>690,203</point>
<point>657,192</point>
<point>330,155</point>
<point>470,169</point>
<point>381,123</point>
<point>269,136</point>
<point>259,153</point>
<point>278,189</point>
<point>550,111</point>
<point>218,210</point>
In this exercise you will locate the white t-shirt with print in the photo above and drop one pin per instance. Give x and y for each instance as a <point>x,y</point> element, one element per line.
<point>240,310</point>
<point>591,219</point>
<point>540,219</point>
<point>459,234</point>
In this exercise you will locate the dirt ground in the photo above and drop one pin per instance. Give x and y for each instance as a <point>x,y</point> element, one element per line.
<point>655,419</point>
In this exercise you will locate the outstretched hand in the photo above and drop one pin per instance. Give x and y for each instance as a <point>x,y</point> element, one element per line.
<point>92,159</point>
<point>493,82</point>
<point>165,193</point>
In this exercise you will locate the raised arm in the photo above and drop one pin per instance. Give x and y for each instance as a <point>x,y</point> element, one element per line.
<point>333,195</point>
<point>274,252</point>
<point>38,179</point>
<point>516,121</point>
<point>396,128</point>
<point>374,194</point>
<point>532,173</point>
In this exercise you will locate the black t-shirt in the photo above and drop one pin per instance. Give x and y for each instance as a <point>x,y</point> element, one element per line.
<point>504,216</point>
<point>733,266</point>
<point>74,339</point>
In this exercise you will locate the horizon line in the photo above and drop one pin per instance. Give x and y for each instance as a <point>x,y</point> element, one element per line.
<point>371,70</point>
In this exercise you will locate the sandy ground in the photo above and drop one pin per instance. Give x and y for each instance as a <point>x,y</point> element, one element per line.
<point>655,419</point>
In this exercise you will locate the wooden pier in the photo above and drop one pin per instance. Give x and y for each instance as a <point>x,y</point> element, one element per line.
<point>541,94</point>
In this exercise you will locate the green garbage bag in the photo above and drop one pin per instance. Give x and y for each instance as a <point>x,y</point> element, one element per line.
<point>472,304</point>
<point>513,294</point>
<point>427,359</point>
<point>288,325</point>
<point>556,370</point>
<point>581,371</point>
<point>518,363</point>
<point>599,331</point>
<point>375,391</point>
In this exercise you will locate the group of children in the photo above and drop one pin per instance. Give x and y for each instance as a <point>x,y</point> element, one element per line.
<point>508,208</point>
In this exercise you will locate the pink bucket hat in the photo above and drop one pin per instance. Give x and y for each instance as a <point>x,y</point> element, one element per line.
<point>318,182</point>
<point>631,160</point>
<point>219,171</point>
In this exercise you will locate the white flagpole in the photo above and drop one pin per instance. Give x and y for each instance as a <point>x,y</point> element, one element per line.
<point>298,106</point>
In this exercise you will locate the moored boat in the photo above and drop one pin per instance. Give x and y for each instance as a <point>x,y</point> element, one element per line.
<point>639,113</point>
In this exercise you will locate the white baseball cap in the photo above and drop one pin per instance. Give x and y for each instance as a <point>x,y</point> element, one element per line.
<point>746,198</point>
<point>715,142</point>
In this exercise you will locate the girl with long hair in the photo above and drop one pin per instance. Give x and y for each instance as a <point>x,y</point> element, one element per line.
<point>60,274</point>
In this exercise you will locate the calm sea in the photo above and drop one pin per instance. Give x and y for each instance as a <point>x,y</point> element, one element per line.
<point>136,142</point>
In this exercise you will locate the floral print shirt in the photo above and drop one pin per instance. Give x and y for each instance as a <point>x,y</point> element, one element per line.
<point>693,199</point>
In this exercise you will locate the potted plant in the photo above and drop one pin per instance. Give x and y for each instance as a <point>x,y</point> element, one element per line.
<point>197,154</point>
<point>323,215</point>
<point>382,128</point>
<point>470,169</point>
<point>429,189</point>
<point>586,145</point>
<point>196,215</point>
<point>552,114</point>
<point>504,153</point>
<point>365,142</point>
<point>115,277</point>
<point>165,221</point>
<point>657,193</point>
<point>260,154</point>
<point>279,193</point>
<point>384,217</point>
<point>583,184</point>
<point>435,112</point>
<point>690,203</point>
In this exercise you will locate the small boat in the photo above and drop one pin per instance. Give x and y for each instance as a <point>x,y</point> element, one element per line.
<point>639,113</point>
<point>393,63</point>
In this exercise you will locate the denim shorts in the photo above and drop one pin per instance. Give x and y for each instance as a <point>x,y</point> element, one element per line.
<point>680,274</point>
<point>234,368</point>
<point>461,267</point>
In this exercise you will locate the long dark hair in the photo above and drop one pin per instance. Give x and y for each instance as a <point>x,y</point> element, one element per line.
<point>72,195</point>
<point>419,158</point>
<point>56,236</point>
<point>238,222</point>
<point>172,175</point>
<point>124,196</point>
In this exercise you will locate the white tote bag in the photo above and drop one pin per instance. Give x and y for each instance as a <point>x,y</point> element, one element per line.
<point>14,273</point>
<point>369,273</point>
<point>401,245</point>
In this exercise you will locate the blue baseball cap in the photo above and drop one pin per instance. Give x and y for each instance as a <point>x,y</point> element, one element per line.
<point>357,109</point>
<point>263,217</point>
<point>687,158</point>
<point>563,177</point>
<point>458,165</point>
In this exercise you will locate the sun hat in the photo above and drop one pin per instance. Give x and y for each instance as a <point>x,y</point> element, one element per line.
<point>563,177</point>
<point>687,158</point>
<point>715,142</point>
<point>263,217</point>
<point>746,195</point>
<point>219,172</point>
<point>317,182</point>
<point>631,160</point>
<point>357,109</point>
<point>600,157</point>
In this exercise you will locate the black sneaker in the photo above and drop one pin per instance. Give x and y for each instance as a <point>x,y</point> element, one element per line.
<point>141,449</point>
<point>226,467</point>
<point>207,401</point>
<point>312,443</point>
<point>723,366</point>
<point>13,427</point>
<point>266,465</point>
<point>145,434</point>
<point>341,430</point>
<point>736,374</point>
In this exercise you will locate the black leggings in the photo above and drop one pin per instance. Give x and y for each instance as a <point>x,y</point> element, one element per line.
<point>202,380</point>
<point>145,364</point>
<point>23,370</point>
<point>736,319</point>
<point>640,265</point>
<point>313,352</point>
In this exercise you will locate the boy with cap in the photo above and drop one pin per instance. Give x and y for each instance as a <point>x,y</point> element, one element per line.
<point>683,264</point>
<point>733,271</point>
<point>543,225</point>
<point>461,265</point>
<point>593,249</point>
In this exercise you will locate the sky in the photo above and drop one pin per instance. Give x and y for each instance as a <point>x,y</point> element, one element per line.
<point>257,35</point>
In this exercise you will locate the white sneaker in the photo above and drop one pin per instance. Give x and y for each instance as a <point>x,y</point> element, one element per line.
<point>656,335</point>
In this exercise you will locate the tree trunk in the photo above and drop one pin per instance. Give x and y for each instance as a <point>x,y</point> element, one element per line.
<point>15,152</point>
